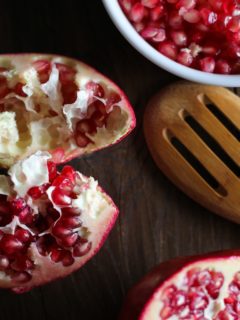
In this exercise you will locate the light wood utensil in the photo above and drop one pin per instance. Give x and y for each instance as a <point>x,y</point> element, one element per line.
<point>193,133</point>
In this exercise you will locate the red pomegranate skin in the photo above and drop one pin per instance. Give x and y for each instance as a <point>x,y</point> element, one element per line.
<point>139,296</point>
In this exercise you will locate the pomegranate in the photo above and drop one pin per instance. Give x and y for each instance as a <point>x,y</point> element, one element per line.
<point>57,104</point>
<point>53,109</point>
<point>51,222</point>
<point>203,287</point>
<point>202,34</point>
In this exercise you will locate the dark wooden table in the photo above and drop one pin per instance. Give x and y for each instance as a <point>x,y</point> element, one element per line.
<point>156,220</point>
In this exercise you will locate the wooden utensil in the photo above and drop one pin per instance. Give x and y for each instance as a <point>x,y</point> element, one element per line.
<point>193,133</point>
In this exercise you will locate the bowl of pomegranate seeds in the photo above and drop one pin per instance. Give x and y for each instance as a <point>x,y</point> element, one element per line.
<point>198,40</point>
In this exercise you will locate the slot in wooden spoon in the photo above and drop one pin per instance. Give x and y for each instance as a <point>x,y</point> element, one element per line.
<point>193,133</point>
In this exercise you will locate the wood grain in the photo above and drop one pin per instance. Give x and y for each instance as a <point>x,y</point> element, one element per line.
<point>157,221</point>
<point>179,112</point>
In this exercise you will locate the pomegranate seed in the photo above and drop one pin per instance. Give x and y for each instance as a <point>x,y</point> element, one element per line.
<point>186,4</point>
<point>85,126</point>
<point>169,49</point>
<point>81,140</point>
<point>3,87</point>
<point>192,16</point>
<point>69,240</point>
<point>60,230</point>
<point>69,92</point>
<point>175,20</point>
<point>18,89</point>
<point>60,198</point>
<point>26,216</point>
<point>37,192</point>
<point>22,264</point>
<point>81,248</point>
<point>99,119</point>
<point>137,12</point>
<point>112,99</point>
<point>71,221</point>
<point>4,262</point>
<point>56,254</point>
<point>157,13</point>
<point>66,73</point>
<point>208,16</point>
<point>18,205</point>
<point>23,235</point>
<point>207,64</point>
<point>154,34</point>
<point>222,66</point>
<point>179,38</point>
<point>9,244</point>
<point>185,57</point>
<point>234,24</point>
<point>149,3</point>
<point>43,67</point>
<point>67,259</point>
<point>69,172</point>
<point>52,170</point>
<point>96,89</point>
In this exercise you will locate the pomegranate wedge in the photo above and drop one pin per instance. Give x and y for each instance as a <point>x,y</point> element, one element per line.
<point>60,105</point>
<point>203,287</point>
<point>51,223</point>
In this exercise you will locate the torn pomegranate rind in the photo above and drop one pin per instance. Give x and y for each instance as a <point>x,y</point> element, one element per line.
<point>52,228</point>
<point>191,288</point>
<point>49,103</point>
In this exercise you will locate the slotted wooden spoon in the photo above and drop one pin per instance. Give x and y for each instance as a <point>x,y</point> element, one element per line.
<point>193,133</point>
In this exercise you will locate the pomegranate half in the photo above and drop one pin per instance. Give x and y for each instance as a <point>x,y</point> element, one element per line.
<point>203,287</point>
<point>58,104</point>
<point>53,109</point>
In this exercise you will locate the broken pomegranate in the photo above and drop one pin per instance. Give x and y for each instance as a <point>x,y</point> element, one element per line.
<point>51,222</point>
<point>202,34</point>
<point>203,287</point>
<point>57,104</point>
<point>53,109</point>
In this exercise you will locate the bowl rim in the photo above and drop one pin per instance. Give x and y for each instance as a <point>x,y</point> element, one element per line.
<point>125,27</point>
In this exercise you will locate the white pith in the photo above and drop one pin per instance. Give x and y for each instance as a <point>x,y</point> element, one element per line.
<point>227,266</point>
<point>97,213</point>
<point>30,130</point>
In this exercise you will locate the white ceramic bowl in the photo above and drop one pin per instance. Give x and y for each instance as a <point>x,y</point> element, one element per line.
<point>125,27</point>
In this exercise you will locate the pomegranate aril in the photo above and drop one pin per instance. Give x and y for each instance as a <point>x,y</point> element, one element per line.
<point>157,13</point>
<point>60,198</point>
<point>23,235</point>
<point>56,254</point>
<point>81,248</point>
<point>22,263</point>
<point>66,73</point>
<point>67,259</point>
<point>18,89</point>
<point>17,205</point>
<point>69,172</point>
<point>37,192</point>
<point>71,211</point>
<point>96,89</point>
<point>179,38</point>
<point>26,216</point>
<point>81,140</point>
<point>85,126</point>
<point>98,119</point>
<point>43,67</point>
<point>113,98</point>
<point>192,16</point>
<point>175,20</point>
<point>4,262</point>
<point>149,3</point>
<point>71,221</point>
<point>223,67</point>
<point>207,64</point>
<point>60,230</point>
<point>137,12</point>
<point>69,92</point>
<point>169,49</point>
<point>52,170</point>
<point>186,4</point>
<point>185,57</point>
<point>9,244</point>
<point>69,240</point>
<point>4,90</point>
